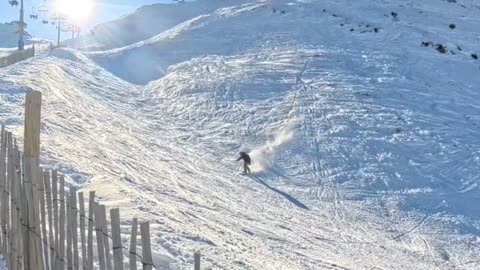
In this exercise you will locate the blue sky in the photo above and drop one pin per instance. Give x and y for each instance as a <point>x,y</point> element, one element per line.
<point>104,10</point>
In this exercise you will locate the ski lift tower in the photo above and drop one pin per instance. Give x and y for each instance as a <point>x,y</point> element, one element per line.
<point>55,19</point>
<point>60,21</point>
<point>21,24</point>
<point>21,42</point>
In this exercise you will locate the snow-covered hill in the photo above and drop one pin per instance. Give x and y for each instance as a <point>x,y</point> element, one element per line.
<point>146,22</point>
<point>364,141</point>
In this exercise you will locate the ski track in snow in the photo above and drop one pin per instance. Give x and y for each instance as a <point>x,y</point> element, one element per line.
<point>381,174</point>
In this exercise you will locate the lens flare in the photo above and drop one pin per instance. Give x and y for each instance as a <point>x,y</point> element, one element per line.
<point>77,10</point>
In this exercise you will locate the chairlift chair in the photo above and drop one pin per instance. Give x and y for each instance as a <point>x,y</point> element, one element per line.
<point>13,3</point>
<point>43,8</point>
<point>44,21</point>
<point>33,14</point>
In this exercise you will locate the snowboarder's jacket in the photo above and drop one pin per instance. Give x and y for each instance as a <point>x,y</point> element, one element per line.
<point>245,157</point>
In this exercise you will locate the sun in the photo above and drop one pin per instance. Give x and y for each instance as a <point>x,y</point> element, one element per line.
<point>77,10</point>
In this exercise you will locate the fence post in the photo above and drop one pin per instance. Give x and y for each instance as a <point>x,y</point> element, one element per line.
<point>81,201</point>
<point>147,261</point>
<point>98,231</point>
<point>116,239</point>
<point>197,256</point>
<point>133,245</point>
<point>91,208</point>
<point>33,103</point>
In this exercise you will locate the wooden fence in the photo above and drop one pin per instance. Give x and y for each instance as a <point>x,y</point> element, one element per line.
<point>17,56</point>
<point>44,225</point>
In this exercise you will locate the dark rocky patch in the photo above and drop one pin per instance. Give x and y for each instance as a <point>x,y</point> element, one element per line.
<point>441,48</point>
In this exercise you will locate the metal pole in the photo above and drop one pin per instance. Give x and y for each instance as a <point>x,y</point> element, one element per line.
<point>59,28</point>
<point>21,43</point>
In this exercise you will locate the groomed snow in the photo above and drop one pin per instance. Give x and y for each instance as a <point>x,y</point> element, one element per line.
<point>365,143</point>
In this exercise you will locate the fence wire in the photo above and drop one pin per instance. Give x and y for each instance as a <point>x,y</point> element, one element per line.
<point>45,241</point>
<point>67,205</point>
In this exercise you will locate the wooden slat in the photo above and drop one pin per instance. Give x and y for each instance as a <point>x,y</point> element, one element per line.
<point>196,258</point>
<point>13,213</point>
<point>6,200</point>
<point>69,232</point>
<point>108,257</point>
<point>9,199</point>
<point>116,239</point>
<point>98,231</point>
<point>133,245</point>
<point>51,237</point>
<point>37,178</point>
<point>55,203</point>
<point>81,202</point>
<point>24,189</point>
<point>43,214</point>
<point>19,236</point>
<point>3,182</point>
<point>61,226</point>
<point>32,252</point>
<point>91,207</point>
<point>146,246</point>
<point>74,218</point>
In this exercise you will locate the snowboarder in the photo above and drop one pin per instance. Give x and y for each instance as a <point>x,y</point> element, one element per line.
<point>246,162</point>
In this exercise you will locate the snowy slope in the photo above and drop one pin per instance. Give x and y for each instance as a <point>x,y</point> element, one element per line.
<point>207,34</point>
<point>365,143</point>
<point>144,23</point>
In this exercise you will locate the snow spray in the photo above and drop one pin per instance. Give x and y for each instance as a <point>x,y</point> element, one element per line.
<point>264,156</point>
